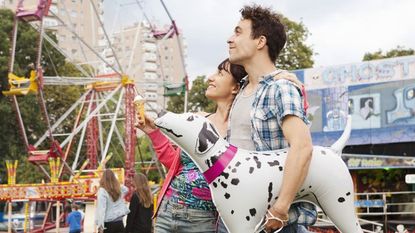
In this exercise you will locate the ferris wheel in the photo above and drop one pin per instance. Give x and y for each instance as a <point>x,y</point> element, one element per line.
<point>104,114</point>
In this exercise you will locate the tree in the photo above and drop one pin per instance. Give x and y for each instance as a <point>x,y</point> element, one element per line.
<point>196,98</point>
<point>296,54</point>
<point>399,51</point>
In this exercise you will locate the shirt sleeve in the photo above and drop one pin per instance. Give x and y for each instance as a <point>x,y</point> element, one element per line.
<point>289,101</point>
<point>163,148</point>
<point>101,208</point>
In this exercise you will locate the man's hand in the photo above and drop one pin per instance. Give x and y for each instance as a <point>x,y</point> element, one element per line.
<point>275,220</point>
<point>149,125</point>
<point>290,77</point>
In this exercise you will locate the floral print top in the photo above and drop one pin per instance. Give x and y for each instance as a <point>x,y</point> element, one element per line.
<point>189,187</point>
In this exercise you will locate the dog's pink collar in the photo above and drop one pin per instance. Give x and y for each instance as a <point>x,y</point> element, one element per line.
<point>220,164</point>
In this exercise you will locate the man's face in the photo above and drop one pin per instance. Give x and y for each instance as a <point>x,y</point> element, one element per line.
<point>242,46</point>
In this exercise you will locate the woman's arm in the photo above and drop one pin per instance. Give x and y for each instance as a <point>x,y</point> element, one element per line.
<point>101,208</point>
<point>165,151</point>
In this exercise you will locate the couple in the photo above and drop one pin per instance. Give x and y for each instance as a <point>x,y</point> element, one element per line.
<point>257,109</point>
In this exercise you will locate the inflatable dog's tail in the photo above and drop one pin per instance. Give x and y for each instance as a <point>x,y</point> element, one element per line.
<point>341,142</point>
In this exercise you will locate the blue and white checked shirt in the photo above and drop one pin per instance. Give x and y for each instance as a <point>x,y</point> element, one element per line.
<point>273,101</point>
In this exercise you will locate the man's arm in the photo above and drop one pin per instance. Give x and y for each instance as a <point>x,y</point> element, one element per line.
<point>296,166</point>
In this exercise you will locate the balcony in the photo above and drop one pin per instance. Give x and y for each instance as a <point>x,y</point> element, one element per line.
<point>150,76</point>
<point>151,67</point>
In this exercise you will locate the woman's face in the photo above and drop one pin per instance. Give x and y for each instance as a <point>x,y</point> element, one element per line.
<point>222,86</point>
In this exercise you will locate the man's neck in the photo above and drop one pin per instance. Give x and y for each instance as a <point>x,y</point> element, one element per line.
<point>257,68</point>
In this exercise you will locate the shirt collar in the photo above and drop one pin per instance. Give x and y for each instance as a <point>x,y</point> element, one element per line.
<point>263,79</point>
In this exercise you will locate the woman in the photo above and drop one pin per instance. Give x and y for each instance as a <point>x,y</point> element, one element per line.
<point>141,208</point>
<point>184,200</point>
<point>186,204</point>
<point>111,207</point>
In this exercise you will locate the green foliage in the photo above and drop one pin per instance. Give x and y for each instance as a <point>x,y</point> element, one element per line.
<point>296,54</point>
<point>398,52</point>
<point>196,97</point>
<point>176,104</point>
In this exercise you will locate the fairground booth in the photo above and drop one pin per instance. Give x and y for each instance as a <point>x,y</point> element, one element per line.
<point>379,95</point>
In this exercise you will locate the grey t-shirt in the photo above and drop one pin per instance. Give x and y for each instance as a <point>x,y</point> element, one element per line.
<point>240,122</point>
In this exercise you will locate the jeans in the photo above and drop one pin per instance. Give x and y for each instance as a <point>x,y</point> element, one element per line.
<point>176,218</point>
<point>302,229</point>
<point>292,228</point>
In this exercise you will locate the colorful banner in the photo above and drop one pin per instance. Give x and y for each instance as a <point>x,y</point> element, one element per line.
<point>382,103</point>
<point>369,72</point>
<point>357,161</point>
<point>81,187</point>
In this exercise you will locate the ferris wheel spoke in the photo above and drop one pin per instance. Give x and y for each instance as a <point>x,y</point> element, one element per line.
<point>91,72</point>
<point>106,36</point>
<point>86,44</point>
<point>113,124</point>
<point>92,114</point>
<point>61,119</point>
<point>117,132</point>
<point>65,54</point>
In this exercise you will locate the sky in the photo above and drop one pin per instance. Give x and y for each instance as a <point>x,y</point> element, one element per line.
<point>341,31</point>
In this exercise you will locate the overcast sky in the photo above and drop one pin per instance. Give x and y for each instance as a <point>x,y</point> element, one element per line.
<point>341,31</point>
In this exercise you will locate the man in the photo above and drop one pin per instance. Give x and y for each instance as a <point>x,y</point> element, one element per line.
<point>276,113</point>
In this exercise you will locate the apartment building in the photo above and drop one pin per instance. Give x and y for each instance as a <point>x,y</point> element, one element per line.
<point>150,62</point>
<point>78,16</point>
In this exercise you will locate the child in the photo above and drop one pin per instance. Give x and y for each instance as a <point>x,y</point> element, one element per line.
<point>74,220</point>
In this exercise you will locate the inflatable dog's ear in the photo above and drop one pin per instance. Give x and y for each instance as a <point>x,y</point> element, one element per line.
<point>207,138</point>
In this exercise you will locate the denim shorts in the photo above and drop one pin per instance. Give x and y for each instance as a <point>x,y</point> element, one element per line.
<point>173,217</point>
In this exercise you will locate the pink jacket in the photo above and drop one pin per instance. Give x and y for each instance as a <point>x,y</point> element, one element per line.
<point>169,157</point>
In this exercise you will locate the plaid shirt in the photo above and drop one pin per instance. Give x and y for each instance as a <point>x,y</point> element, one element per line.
<point>273,101</point>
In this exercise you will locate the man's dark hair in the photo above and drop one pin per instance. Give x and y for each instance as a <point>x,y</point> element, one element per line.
<point>266,23</point>
<point>237,71</point>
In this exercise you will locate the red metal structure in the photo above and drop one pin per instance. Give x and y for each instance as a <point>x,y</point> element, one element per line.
<point>92,135</point>
<point>130,136</point>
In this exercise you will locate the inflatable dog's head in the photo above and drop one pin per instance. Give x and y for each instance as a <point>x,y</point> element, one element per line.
<point>193,133</point>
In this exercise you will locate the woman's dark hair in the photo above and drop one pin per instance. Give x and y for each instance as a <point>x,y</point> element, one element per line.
<point>237,71</point>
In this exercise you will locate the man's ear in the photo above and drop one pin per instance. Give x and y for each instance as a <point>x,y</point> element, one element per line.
<point>262,41</point>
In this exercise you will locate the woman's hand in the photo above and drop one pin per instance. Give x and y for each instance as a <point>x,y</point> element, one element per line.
<point>149,125</point>
<point>290,77</point>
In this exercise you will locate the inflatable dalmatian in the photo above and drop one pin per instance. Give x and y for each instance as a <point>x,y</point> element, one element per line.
<point>245,184</point>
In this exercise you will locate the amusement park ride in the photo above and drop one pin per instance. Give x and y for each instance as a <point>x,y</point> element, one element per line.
<point>108,98</point>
